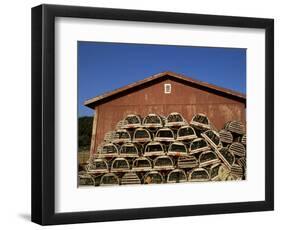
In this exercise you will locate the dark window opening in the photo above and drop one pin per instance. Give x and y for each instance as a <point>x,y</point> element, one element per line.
<point>141,134</point>
<point>120,164</point>
<point>175,118</point>
<point>186,132</point>
<point>178,148</point>
<point>109,149</point>
<point>129,149</point>
<point>201,119</point>
<point>154,148</point>
<point>198,144</point>
<point>132,120</point>
<point>165,133</point>
<point>152,120</point>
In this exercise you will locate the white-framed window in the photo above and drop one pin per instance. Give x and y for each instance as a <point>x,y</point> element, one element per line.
<point>167,88</point>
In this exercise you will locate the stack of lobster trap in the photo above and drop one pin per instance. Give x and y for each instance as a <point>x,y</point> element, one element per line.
<point>157,149</point>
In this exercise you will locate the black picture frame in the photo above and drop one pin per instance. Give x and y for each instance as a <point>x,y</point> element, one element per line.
<point>43,114</point>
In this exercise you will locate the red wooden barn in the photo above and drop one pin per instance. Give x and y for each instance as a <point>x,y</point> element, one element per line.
<point>164,93</point>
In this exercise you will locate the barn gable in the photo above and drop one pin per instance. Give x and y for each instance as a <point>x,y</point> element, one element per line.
<point>161,77</point>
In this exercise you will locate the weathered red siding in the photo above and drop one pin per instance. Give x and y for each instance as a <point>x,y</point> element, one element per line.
<point>184,99</point>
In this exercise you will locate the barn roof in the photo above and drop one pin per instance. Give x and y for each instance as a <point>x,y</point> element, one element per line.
<point>108,96</point>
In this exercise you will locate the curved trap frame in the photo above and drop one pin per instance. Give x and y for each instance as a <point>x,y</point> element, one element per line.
<point>237,171</point>
<point>121,136</point>
<point>242,162</point>
<point>199,175</point>
<point>152,121</point>
<point>98,166</point>
<point>163,163</point>
<point>132,121</point>
<point>141,164</point>
<point>175,120</point>
<point>187,162</point>
<point>164,134</point>
<point>108,150</point>
<point>235,127</point>
<point>186,133</point>
<point>86,180</point>
<point>141,135</point>
<point>109,179</point>
<point>227,157</point>
<point>226,136</point>
<point>176,176</point>
<point>212,137</point>
<point>153,177</point>
<point>120,165</point>
<point>237,149</point>
<point>200,121</point>
<point>233,177</point>
<point>177,149</point>
<point>198,145</point>
<point>223,172</point>
<point>130,178</point>
<point>243,139</point>
<point>208,158</point>
<point>214,172</point>
<point>154,149</point>
<point>119,125</point>
<point>128,150</point>
<point>109,136</point>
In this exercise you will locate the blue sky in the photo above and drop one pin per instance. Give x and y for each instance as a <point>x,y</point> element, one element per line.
<point>104,66</point>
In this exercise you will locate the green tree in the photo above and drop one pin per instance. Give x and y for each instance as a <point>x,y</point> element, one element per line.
<point>84,132</point>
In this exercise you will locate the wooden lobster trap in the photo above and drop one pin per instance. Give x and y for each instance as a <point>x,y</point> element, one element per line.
<point>227,157</point>
<point>232,177</point>
<point>186,133</point>
<point>121,136</point>
<point>119,125</point>
<point>223,172</point>
<point>153,177</point>
<point>200,121</point>
<point>237,171</point>
<point>235,127</point>
<point>243,139</point>
<point>242,162</point>
<point>108,150</point>
<point>176,176</point>
<point>198,175</point>
<point>175,120</point>
<point>132,121</point>
<point>237,149</point>
<point>214,172</point>
<point>130,178</point>
<point>120,164</point>
<point>163,163</point>
<point>86,179</point>
<point>187,162</point>
<point>212,137</point>
<point>177,149</point>
<point>154,149</point>
<point>129,150</point>
<point>164,134</point>
<point>109,179</point>
<point>97,166</point>
<point>208,158</point>
<point>198,145</point>
<point>152,121</point>
<point>226,136</point>
<point>141,164</point>
<point>141,135</point>
<point>109,136</point>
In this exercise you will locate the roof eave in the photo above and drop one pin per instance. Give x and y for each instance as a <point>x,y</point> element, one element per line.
<point>93,102</point>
